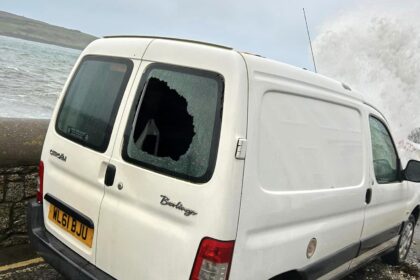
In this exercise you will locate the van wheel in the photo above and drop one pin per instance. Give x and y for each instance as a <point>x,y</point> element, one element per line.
<point>399,254</point>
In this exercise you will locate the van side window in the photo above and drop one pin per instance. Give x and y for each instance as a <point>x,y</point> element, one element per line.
<point>90,105</point>
<point>385,159</point>
<point>175,127</point>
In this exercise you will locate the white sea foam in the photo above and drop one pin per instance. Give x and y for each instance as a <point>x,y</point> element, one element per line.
<point>377,51</point>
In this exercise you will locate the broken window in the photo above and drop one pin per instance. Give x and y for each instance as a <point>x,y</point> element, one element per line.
<point>177,122</point>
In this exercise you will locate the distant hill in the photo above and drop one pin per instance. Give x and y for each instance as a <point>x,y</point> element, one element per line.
<point>24,28</point>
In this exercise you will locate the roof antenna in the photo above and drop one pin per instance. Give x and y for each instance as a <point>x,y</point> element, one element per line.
<point>310,42</point>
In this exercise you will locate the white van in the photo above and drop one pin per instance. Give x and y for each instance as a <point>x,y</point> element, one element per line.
<point>174,159</point>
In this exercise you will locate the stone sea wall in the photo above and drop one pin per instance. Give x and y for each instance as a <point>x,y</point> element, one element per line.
<point>17,186</point>
<point>20,150</point>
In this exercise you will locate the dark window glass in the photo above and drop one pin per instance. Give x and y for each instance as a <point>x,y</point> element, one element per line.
<point>385,159</point>
<point>90,105</point>
<point>175,129</point>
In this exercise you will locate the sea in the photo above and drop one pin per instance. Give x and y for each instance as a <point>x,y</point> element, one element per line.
<point>376,52</point>
<point>32,76</point>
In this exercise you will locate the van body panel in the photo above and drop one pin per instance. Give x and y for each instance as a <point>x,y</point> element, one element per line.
<point>284,207</point>
<point>137,233</point>
<point>79,180</point>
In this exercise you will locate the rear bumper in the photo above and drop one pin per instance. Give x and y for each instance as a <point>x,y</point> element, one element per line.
<point>63,259</point>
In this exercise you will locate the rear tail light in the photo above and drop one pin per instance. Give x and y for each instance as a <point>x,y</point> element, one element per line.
<point>40,191</point>
<point>213,260</point>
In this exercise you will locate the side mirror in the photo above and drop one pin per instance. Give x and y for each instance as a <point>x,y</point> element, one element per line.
<point>412,171</point>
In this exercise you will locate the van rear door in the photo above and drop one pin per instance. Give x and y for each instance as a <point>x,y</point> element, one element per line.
<point>78,146</point>
<point>177,179</point>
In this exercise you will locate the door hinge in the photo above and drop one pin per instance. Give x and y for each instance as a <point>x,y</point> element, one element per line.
<point>240,149</point>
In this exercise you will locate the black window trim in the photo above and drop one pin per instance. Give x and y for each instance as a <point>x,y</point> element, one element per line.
<point>216,127</point>
<point>399,171</point>
<point>129,63</point>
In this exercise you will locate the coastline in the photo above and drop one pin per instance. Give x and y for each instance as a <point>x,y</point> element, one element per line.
<point>16,26</point>
<point>41,40</point>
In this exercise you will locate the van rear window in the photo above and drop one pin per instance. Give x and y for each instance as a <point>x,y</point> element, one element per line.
<point>88,111</point>
<point>175,123</point>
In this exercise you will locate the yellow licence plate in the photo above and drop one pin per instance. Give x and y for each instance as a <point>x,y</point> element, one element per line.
<point>80,231</point>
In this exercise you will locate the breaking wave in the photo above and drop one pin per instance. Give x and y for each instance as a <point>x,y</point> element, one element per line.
<point>378,54</point>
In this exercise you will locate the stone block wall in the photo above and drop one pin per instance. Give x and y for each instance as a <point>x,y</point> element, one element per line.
<point>17,186</point>
<point>21,143</point>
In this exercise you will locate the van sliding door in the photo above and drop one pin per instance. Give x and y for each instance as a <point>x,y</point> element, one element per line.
<point>304,182</point>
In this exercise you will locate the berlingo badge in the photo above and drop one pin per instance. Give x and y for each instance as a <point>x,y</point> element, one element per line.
<point>177,205</point>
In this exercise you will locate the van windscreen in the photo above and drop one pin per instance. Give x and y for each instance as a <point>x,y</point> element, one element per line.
<point>175,123</point>
<point>90,105</point>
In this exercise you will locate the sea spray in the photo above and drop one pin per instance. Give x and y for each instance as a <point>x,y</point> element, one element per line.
<point>378,53</point>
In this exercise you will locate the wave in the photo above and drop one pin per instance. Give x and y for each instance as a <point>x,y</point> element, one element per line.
<point>377,52</point>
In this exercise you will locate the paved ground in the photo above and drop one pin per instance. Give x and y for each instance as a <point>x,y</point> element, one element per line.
<point>21,263</point>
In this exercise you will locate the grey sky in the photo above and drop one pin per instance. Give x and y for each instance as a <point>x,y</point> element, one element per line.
<point>270,28</point>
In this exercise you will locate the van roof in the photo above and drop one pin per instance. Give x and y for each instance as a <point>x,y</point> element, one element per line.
<point>296,75</point>
<point>169,38</point>
<point>270,66</point>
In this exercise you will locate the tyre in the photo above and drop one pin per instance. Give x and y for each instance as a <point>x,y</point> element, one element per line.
<point>399,254</point>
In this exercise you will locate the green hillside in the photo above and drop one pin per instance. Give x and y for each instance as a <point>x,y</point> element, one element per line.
<point>38,31</point>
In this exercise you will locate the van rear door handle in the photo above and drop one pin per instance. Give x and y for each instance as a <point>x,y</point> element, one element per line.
<point>110,175</point>
<point>368,197</point>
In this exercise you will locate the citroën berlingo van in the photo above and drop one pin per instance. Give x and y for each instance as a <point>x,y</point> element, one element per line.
<point>175,159</point>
